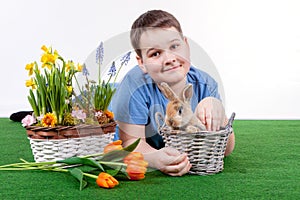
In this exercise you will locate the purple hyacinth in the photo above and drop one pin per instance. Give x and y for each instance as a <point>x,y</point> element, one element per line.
<point>100,54</point>
<point>112,70</point>
<point>85,71</point>
<point>125,59</point>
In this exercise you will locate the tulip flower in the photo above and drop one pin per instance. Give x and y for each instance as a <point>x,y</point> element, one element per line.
<point>136,166</point>
<point>105,180</point>
<point>131,164</point>
<point>115,145</point>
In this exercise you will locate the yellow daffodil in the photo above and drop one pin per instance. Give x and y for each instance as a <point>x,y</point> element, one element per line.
<point>70,89</point>
<point>52,85</point>
<point>69,65</point>
<point>48,59</point>
<point>49,120</point>
<point>56,55</point>
<point>29,67</point>
<point>44,48</point>
<point>79,67</point>
<point>30,83</point>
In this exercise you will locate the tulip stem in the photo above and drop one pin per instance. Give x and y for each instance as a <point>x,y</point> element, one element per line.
<point>113,163</point>
<point>90,175</point>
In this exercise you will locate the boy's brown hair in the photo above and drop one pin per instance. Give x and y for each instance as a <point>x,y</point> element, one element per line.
<point>151,19</point>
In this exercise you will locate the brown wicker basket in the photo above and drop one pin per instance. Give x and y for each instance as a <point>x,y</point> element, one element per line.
<point>205,149</point>
<point>57,143</point>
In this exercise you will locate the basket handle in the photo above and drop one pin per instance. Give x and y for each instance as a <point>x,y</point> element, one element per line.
<point>230,121</point>
<point>158,119</point>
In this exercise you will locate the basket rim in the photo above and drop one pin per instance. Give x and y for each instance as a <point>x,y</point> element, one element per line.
<point>65,132</point>
<point>61,127</point>
<point>66,139</point>
<point>166,131</point>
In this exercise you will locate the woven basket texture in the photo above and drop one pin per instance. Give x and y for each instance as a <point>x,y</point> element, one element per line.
<point>205,149</point>
<point>51,144</point>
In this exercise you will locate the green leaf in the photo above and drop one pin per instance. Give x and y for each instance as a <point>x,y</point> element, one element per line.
<point>132,146</point>
<point>113,172</point>
<point>78,174</point>
<point>86,168</point>
<point>33,103</point>
<point>112,169</point>
<point>118,155</point>
<point>83,161</point>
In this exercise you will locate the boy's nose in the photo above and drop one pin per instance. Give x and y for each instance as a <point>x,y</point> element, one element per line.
<point>169,58</point>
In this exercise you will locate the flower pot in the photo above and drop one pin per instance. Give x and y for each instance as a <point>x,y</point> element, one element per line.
<point>57,143</point>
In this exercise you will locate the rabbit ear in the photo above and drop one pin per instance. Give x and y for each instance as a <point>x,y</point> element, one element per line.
<point>168,92</point>
<point>187,93</point>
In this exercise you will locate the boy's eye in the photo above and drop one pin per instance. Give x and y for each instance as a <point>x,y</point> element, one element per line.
<point>174,46</point>
<point>155,54</point>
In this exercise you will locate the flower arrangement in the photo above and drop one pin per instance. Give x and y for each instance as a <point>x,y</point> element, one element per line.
<point>95,95</point>
<point>102,167</point>
<point>61,114</point>
<point>53,98</point>
<point>51,90</point>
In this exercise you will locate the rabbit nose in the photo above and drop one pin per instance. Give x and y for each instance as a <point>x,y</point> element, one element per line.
<point>173,123</point>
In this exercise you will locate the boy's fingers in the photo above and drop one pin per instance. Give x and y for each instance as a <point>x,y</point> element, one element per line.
<point>179,169</point>
<point>201,116</point>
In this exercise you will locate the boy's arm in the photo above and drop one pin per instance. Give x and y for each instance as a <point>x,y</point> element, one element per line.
<point>129,133</point>
<point>230,144</point>
<point>167,160</point>
<point>212,114</point>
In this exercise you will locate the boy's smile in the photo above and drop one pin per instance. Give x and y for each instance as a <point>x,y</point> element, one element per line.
<point>165,55</point>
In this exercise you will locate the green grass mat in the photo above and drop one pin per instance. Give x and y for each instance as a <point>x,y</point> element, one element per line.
<point>264,165</point>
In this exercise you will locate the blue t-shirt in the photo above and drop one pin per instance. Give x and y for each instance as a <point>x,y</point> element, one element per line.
<point>138,98</point>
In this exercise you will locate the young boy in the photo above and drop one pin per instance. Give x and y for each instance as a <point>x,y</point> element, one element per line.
<point>163,55</point>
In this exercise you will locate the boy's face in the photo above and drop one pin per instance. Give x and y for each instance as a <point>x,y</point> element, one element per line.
<point>165,55</point>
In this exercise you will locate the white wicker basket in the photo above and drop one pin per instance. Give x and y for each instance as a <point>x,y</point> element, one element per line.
<point>83,140</point>
<point>205,149</point>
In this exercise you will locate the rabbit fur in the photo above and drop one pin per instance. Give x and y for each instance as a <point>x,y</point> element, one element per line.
<point>179,114</point>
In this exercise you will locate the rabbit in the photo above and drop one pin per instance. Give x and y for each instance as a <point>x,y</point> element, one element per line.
<point>179,114</point>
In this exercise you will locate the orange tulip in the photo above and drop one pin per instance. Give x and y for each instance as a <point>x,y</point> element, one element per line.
<point>136,165</point>
<point>115,145</point>
<point>105,180</point>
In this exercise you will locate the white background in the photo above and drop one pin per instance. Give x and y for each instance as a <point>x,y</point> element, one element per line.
<point>255,44</point>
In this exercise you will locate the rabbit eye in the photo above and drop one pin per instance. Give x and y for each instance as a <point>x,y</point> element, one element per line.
<point>180,110</point>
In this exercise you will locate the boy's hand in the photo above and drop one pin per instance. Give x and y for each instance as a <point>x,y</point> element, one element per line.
<point>171,162</point>
<point>211,113</point>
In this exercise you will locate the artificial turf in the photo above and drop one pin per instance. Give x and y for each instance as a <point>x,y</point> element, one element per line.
<point>264,165</point>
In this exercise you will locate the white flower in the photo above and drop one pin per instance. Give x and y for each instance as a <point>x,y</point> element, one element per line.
<point>79,114</point>
<point>98,114</point>
<point>28,120</point>
<point>40,117</point>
